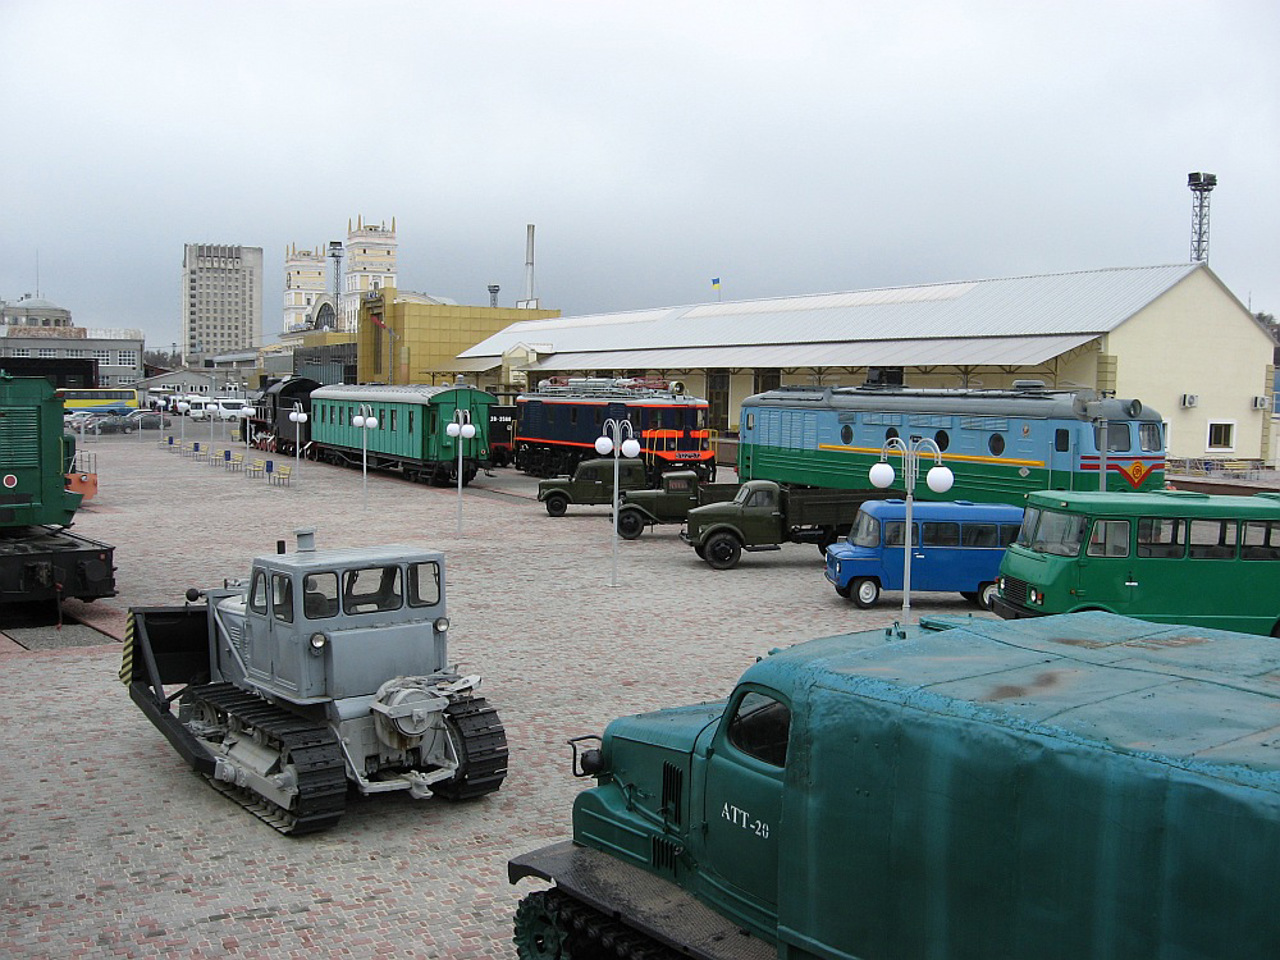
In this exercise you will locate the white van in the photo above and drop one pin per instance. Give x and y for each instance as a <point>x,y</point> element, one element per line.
<point>229,407</point>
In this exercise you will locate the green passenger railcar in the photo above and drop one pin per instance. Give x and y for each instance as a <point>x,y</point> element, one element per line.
<point>411,433</point>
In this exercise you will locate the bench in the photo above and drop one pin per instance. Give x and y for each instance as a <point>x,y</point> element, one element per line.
<point>234,462</point>
<point>281,475</point>
<point>256,468</point>
<point>218,457</point>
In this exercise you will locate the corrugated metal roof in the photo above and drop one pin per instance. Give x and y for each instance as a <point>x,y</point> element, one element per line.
<point>890,322</point>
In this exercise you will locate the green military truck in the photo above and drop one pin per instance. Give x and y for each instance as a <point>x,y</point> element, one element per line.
<point>591,484</point>
<point>763,515</point>
<point>1083,785</point>
<point>680,492</point>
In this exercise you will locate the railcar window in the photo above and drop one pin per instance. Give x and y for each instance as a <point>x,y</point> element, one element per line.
<point>282,597</point>
<point>1261,540</point>
<point>1160,537</point>
<point>1059,534</point>
<point>937,534</point>
<point>393,420</point>
<point>320,596</point>
<point>995,443</point>
<point>1062,440</point>
<point>371,589</point>
<point>1118,439</point>
<point>573,416</point>
<point>1211,540</point>
<point>979,535</point>
<point>942,439</point>
<point>410,424</point>
<point>761,727</point>
<point>846,434</point>
<point>424,584</point>
<point>1149,436</point>
<point>258,594</point>
<point>1110,539</point>
<point>891,433</point>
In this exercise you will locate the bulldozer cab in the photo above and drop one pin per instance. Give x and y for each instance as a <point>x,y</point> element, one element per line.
<point>323,625</point>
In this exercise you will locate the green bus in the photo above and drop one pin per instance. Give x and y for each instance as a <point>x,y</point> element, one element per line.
<point>1168,556</point>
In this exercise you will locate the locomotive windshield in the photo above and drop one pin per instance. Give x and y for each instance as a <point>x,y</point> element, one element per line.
<point>1118,439</point>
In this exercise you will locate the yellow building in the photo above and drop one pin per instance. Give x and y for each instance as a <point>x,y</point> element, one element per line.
<point>405,337</point>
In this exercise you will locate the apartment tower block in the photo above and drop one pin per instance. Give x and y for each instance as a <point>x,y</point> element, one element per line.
<point>221,299</point>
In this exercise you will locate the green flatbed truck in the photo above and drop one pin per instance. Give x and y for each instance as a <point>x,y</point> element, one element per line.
<point>680,492</point>
<point>763,515</point>
<point>1085,785</point>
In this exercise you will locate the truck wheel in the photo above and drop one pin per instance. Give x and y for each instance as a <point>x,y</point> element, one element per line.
<point>865,592</point>
<point>987,596</point>
<point>540,931</point>
<point>723,551</point>
<point>557,504</point>
<point>630,525</point>
<point>846,591</point>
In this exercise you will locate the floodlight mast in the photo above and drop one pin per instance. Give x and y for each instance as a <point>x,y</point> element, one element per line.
<point>1201,185</point>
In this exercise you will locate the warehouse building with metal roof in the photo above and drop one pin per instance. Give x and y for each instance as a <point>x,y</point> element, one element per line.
<point>1172,336</point>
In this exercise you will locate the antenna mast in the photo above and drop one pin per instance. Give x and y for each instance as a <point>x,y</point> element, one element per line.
<point>1201,185</point>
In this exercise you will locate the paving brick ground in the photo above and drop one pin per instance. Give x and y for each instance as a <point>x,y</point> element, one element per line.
<point>111,847</point>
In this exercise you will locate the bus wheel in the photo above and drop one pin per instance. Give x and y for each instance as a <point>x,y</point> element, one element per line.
<point>1275,631</point>
<point>865,592</point>
<point>987,596</point>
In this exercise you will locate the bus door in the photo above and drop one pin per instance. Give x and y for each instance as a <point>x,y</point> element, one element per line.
<point>891,553</point>
<point>938,563</point>
<point>1107,576</point>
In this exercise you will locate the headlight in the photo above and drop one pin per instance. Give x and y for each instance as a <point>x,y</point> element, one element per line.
<point>1035,596</point>
<point>318,641</point>
<point>441,624</point>
<point>1000,584</point>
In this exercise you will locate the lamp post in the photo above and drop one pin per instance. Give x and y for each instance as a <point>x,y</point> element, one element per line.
<point>364,421</point>
<point>183,407</point>
<point>244,413</point>
<point>297,417</point>
<point>939,479</point>
<point>460,428</point>
<point>619,439</point>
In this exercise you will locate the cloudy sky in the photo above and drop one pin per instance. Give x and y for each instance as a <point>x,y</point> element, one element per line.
<point>786,148</point>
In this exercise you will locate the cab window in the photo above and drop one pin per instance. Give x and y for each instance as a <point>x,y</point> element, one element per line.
<point>282,597</point>
<point>424,584</point>
<point>760,728</point>
<point>258,594</point>
<point>371,590</point>
<point>320,596</point>
<point>1117,436</point>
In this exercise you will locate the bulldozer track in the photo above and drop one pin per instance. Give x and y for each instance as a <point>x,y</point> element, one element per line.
<point>587,933</point>
<point>482,750</point>
<point>311,748</point>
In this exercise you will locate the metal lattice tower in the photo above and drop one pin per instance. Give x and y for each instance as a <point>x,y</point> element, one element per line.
<point>493,294</point>
<point>335,254</point>
<point>1201,185</point>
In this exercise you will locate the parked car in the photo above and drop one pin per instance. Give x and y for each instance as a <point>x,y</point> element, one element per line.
<point>148,420</point>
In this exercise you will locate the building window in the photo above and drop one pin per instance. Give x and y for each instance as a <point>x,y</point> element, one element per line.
<point>126,358</point>
<point>20,352</point>
<point>102,356</point>
<point>1222,436</point>
<point>47,352</point>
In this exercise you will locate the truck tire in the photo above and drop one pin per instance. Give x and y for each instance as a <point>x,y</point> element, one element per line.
<point>630,524</point>
<point>557,504</point>
<point>723,551</point>
<point>865,591</point>
<point>987,596</point>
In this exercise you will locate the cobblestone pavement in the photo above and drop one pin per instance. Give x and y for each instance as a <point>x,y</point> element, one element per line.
<point>111,847</point>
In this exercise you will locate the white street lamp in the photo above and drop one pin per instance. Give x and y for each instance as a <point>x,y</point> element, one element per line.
<point>183,407</point>
<point>244,413</point>
<point>297,417</point>
<point>364,421</point>
<point>619,439</point>
<point>939,479</point>
<point>460,428</point>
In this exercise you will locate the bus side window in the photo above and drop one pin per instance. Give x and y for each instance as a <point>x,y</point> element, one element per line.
<point>1110,539</point>
<point>1008,533</point>
<point>937,534</point>
<point>893,533</point>
<point>1261,540</point>
<point>981,535</point>
<point>1160,537</point>
<point>1212,540</point>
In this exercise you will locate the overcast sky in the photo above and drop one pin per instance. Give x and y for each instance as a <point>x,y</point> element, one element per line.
<point>786,148</point>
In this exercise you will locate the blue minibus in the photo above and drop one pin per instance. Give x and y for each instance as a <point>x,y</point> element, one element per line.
<point>954,546</point>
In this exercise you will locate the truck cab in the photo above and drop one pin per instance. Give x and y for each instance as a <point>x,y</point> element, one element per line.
<point>591,484</point>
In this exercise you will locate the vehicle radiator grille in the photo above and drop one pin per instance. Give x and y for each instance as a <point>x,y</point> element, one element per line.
<point>1015,590</point>
<point>672,791</point>
<point>665,853</point>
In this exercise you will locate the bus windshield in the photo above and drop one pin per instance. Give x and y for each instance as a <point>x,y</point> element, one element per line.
<point>866,531</point>
<point>1046,531</point>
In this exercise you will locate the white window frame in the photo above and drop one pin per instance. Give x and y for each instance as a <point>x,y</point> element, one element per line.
<point>1208,432</point>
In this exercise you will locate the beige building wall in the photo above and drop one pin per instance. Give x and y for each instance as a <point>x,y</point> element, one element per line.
<point>1199,340</point>
<point>405,339</point>
<point>305,280</point>
<point>370,265</point>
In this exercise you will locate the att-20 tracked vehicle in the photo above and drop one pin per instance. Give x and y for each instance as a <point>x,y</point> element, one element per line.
<point>328,668</point>
<point>1075,786</point>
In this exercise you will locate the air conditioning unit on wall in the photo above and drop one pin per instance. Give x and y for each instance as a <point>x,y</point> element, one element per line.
<point>1190,399</point>
<point>1260,403</point>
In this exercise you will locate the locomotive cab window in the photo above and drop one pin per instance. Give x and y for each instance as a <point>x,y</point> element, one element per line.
<point>760,728</point>
<point>371,590</point>
<point>1117,439</point>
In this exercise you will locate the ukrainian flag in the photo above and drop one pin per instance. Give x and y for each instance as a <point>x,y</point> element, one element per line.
<point>715,283</point>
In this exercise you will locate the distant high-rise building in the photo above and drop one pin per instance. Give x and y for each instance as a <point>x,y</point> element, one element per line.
<point>221,299</point>
<point>304,285</point>
<point>370,266</point>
